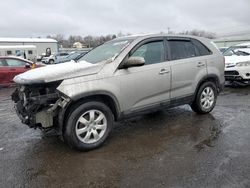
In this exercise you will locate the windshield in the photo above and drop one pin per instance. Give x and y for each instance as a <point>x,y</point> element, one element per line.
<point>237,51</point>
<point>105,51</point>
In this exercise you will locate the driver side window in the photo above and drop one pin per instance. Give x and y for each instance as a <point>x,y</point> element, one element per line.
<point>152,52</point>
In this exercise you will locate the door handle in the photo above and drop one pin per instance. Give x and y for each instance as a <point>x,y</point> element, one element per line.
<point>200,64</point>
<point>164,71</point>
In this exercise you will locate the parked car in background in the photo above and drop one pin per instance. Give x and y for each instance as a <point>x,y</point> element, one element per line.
<point>12,66</point>
<point>40,57</point>
<point>124,77</point>
<point>72,56</point>
<point>52,58</point>
<point>237,63</point>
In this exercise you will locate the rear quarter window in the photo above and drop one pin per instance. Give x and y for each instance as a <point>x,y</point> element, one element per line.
<point>201,48</point>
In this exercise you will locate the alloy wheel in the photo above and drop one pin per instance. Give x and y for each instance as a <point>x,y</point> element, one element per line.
<point>207,98</point>
<point>91,126</point>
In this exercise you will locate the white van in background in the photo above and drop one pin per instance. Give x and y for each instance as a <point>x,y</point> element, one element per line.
<point>25,51</point>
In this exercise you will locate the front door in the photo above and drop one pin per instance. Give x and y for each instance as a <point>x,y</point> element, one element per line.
<point>148,85</point>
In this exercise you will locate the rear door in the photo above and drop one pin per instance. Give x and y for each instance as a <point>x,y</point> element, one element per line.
<point>187,65</point>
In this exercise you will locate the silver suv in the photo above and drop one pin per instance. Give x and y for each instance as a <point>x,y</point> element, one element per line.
<point>119,79</point>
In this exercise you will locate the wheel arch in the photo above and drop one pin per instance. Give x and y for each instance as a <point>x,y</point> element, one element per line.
<point>101,96</point>
<point>209,78</point>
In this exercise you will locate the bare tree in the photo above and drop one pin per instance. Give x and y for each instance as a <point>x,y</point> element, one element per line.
<point>200,33</point>
<point>93,41</point>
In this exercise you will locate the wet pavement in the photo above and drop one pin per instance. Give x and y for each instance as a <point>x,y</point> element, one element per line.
<point>171,148</point>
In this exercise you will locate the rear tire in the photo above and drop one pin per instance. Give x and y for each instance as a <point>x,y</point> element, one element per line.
<point>88,126</point>
<point>205,99</point>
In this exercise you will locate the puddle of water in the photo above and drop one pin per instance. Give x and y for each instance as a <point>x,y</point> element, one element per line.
<point>214,132</point>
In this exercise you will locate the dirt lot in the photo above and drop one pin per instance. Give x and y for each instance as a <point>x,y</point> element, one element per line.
<point>172,148</point>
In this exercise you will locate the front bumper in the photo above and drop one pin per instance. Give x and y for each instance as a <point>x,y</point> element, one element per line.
<point>45,61</point>
<point>36,108</point>
<point>237,73</point>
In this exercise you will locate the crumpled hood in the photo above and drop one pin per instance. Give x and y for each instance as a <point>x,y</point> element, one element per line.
<point>57,72</point>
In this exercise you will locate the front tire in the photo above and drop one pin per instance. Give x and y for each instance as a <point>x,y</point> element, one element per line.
<point>51,61</point>
<point>205,99</point>
<point>88,126</point>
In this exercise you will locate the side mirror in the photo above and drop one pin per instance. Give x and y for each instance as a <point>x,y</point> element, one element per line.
<point>134,62</point>
<point>27,65</point>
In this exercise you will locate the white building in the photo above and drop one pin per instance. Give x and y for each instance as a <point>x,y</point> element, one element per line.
<point>41,43</point>
<point>25,51</point>
<point>78,45</point>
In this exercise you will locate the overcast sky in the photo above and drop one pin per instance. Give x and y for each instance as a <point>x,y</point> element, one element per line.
<point>32,18</point>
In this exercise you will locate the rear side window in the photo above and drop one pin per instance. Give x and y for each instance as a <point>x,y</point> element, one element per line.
<point>15,63</point>
<point>152,52</point>
<point>181,49</point>
<point>201,48</point>
<point>63,54</point>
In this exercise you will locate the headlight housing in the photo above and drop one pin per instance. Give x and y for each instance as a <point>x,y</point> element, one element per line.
<point>242,64</point>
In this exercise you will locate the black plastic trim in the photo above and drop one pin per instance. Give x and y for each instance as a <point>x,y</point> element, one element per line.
<point>158,106</point>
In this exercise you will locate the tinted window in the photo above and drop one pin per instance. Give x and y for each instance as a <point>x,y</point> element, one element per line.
<point>180,49</point>
<point>15,63</point>
<point>202,50</point>
<point>152,52</point>
<point>63,54</point>
<point>9,52</point>
<point>30,52</point>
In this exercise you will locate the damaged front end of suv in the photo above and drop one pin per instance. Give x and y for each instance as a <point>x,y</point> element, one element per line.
<point>38,102</point>
<point>38,105</point>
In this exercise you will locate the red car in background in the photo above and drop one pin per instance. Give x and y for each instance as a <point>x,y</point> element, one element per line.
<point>12,66</point>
